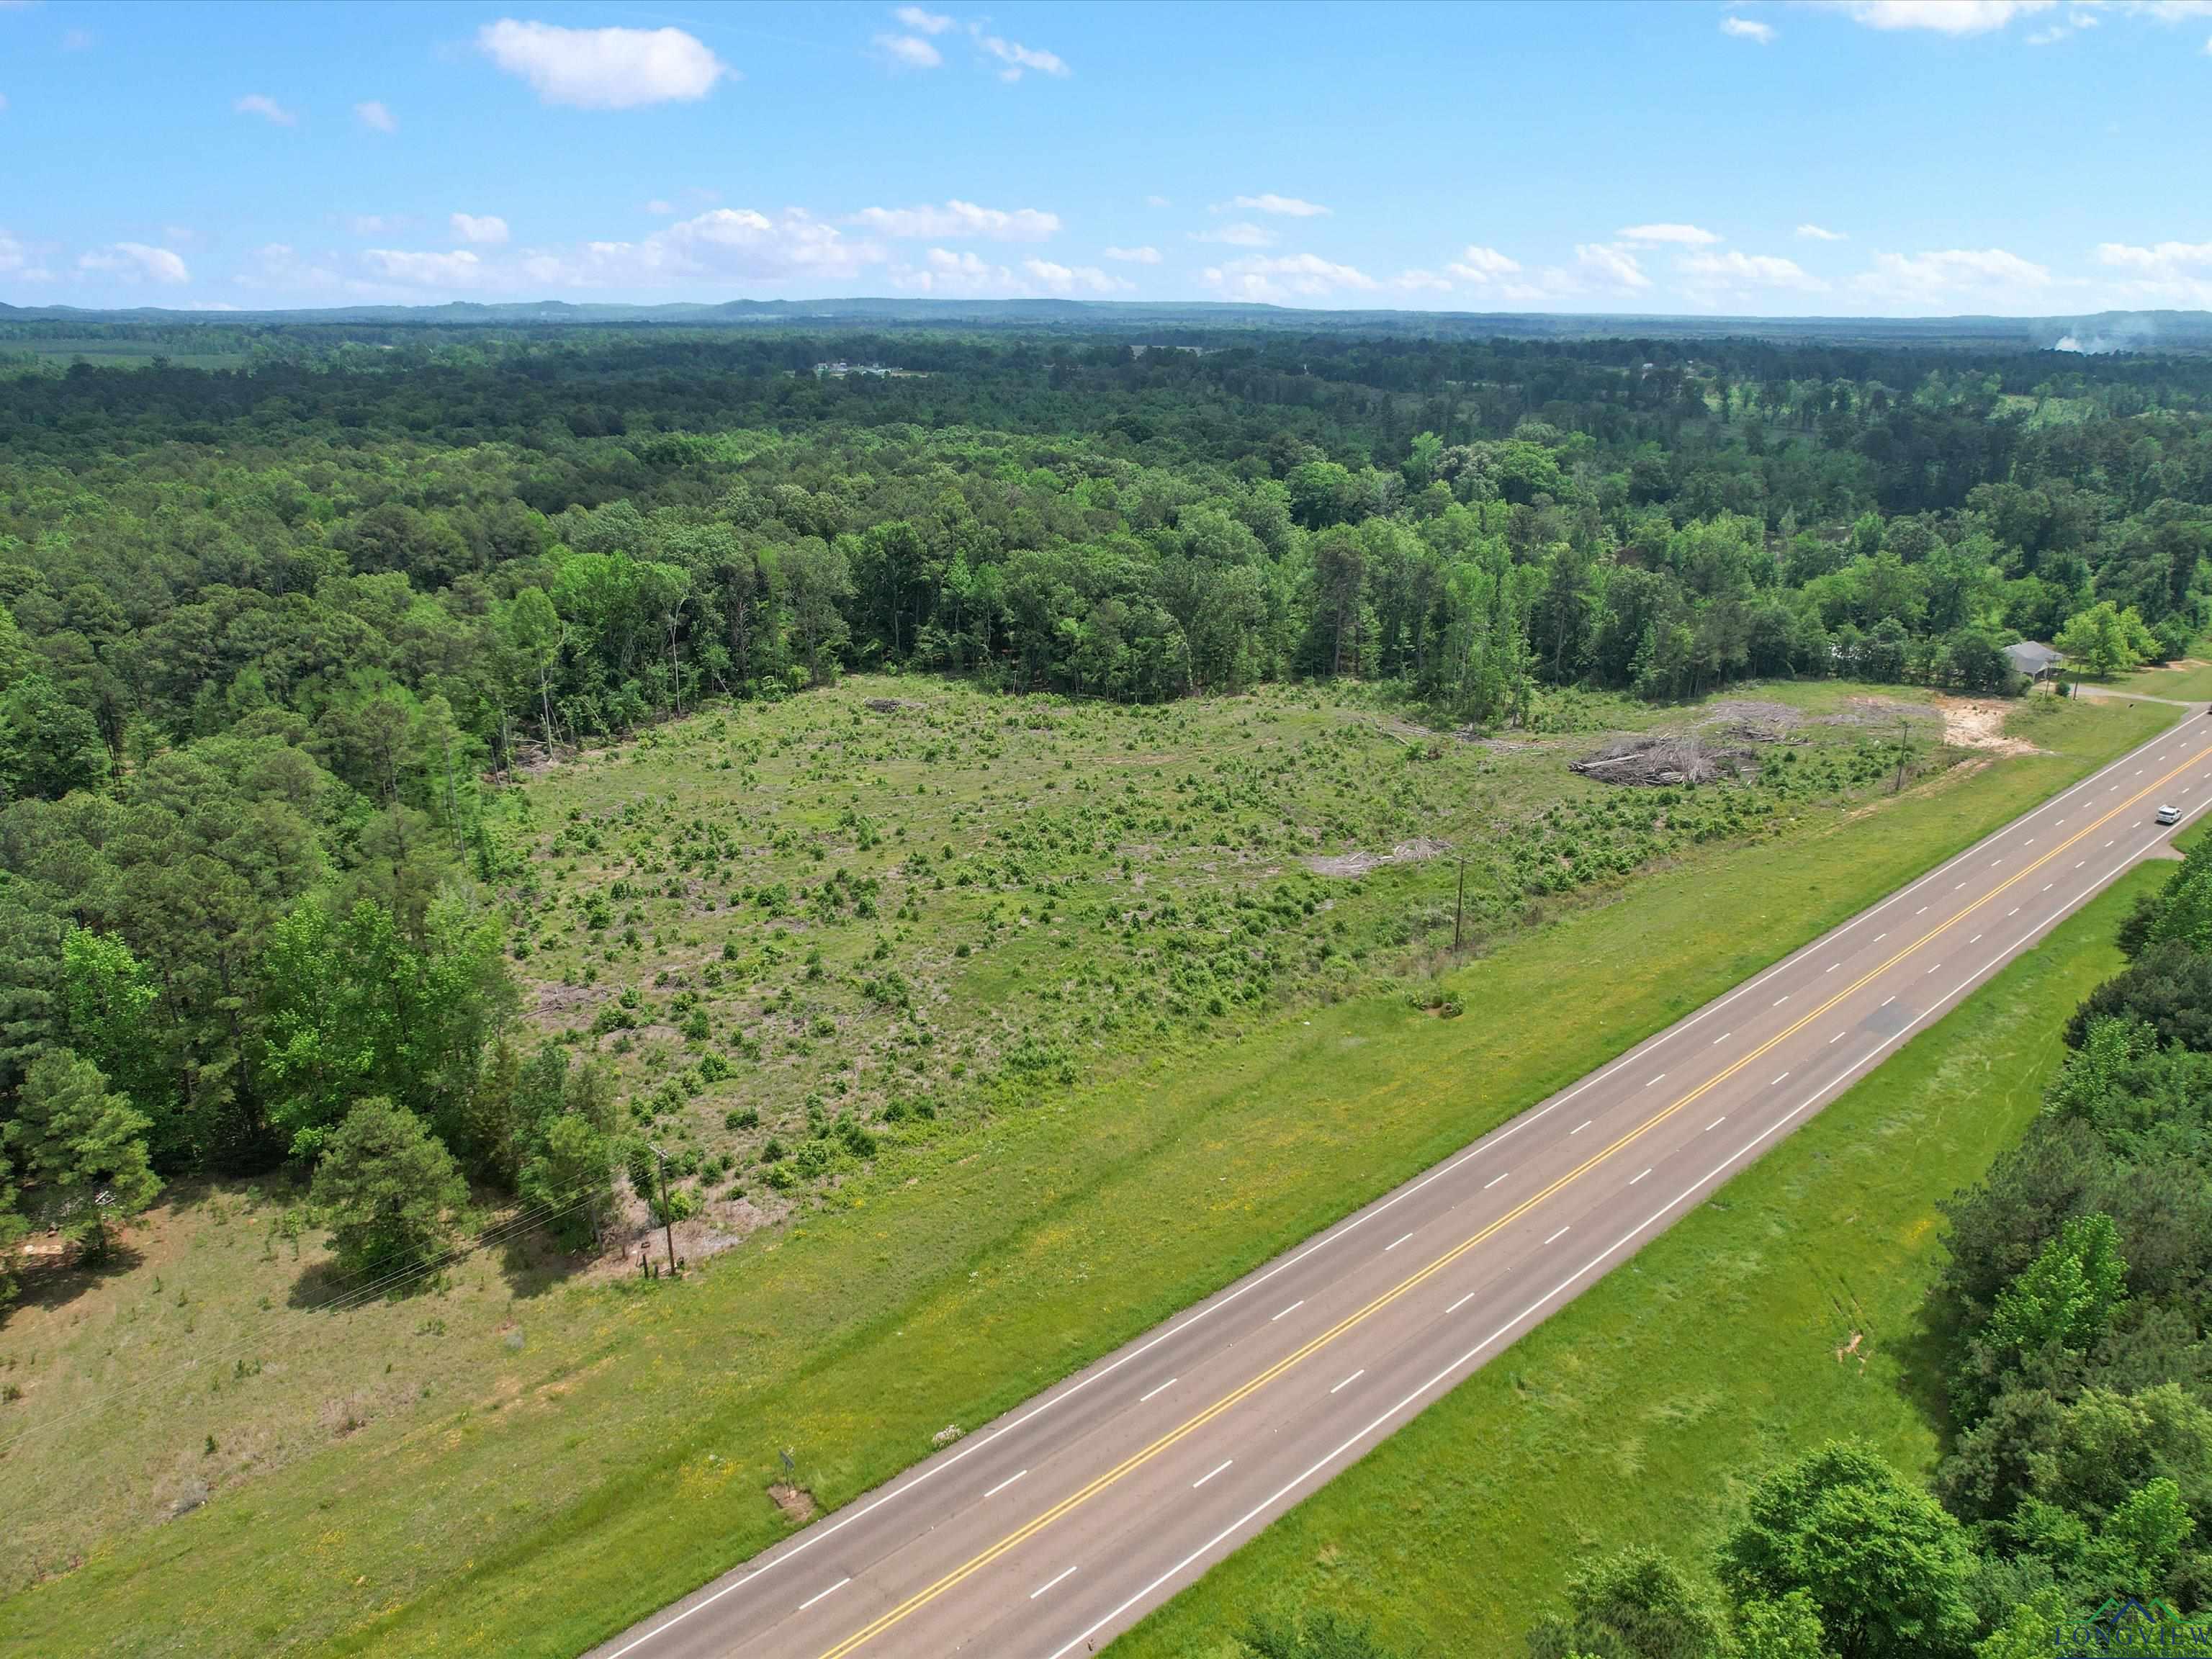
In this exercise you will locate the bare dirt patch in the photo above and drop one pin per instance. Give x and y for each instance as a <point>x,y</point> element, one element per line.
<point>796,1503</point>
<point>1972,723</point>
<point>1352,866</point>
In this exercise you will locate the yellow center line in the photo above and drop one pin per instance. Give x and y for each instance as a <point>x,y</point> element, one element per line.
<point>922,1598</point>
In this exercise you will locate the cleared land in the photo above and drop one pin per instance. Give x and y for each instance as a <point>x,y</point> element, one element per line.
<point>523,1463</point>
<point>1784,1312</point>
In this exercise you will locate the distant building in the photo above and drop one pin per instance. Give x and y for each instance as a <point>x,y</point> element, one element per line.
<point>2035,660</point>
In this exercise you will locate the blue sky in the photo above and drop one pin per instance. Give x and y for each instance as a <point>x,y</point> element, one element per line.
<point>1906,157</point>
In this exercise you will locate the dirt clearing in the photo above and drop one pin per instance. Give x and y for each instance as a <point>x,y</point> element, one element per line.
<point>1971,723</point>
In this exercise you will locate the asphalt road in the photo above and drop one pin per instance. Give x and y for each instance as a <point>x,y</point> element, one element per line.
<point>1043,1535</point>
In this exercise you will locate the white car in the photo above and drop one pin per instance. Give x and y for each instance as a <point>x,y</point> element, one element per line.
<point>2169,815</point>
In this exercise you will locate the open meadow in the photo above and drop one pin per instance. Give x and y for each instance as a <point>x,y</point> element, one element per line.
<point>982,1033</point>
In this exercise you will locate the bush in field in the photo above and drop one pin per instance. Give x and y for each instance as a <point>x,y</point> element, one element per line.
<point>389,1188</point>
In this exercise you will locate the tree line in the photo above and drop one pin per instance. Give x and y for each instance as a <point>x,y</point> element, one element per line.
<point>272,640</point>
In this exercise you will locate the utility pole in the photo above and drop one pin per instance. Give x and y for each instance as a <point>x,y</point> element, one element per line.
<point>1459,905</point>
<point>667,1216</point>
<point>1904,749</point>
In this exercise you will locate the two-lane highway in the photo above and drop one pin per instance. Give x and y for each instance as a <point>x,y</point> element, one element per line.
<point>1044,1533</point>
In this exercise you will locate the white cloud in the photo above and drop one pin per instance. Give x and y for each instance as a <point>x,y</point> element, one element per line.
<point>1943,17</point>
<point>1612,266</point>
<point>18,264</point>
<point>485,230</point>
<point>460,269</point>
<point>1705,271</point>
<point>726,244</point>
<point>1991,273</point>
<point>2162,257</point>
<point>1481,264</point>
<point>922,22</point>
<point>659,208</point>
<point>1289,206</point>
<point>602,69</point>
<point>1017,57</point>
<point>1148,255</point>
<point>1243,233</point>
<point>135,260</point>
<point>375,117</point>
<point>945,273</point>
<point>910,50</point>
<point>260,103</point>
<point>1303,276</point>
<point>1075,279</point>
<point>279,266</point>
<point>1677,235</point>
<point>1422,281</point>
<point>373,224</point>
<point>1745,29</point>
<point>962,220</point>
<point>1822,233</point>
<point>2063,29</point>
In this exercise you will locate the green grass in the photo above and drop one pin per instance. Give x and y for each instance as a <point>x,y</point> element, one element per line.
<point>2184,685</point>
<point>532,1465</point>
<point>1639,1413</point>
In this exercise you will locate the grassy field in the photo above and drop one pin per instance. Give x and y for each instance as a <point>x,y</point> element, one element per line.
<point>1642,1412</point>
<point>527,1456</point>
<point>2189,682</point>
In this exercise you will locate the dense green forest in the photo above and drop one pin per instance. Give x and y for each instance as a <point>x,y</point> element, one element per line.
<point>275,637</point>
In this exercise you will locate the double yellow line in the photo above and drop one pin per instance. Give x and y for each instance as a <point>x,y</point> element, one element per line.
<point>1013,1540</point>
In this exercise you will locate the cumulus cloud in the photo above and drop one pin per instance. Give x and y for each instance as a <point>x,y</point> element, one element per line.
<point>727,244</point>
<point>1017,58</point>
<point>460,269</point>
<point>922,22</point>
<point>485,230</point>
<point>1746,28</point>
<point>1483,264</point>
<point>602,69</point>
<point>260,103</point>
<point>375,117</point>
<point>136,261</point>
<point>1943,17</point>
<point>1243,233</point>
<point>2159,258</point>
<point>1148,255</point>
<point>1989,274</point>
<point>1300,275</point>
<point>1611,265</point>
<point>911,50</point>
<point>280,267</point>
<point>2068,26</point>
<point>1289,206</point>
<point>1074,279</point>
<point>1822,233</point>
<point>1706,273</point>
<point>959,220</point>
<point>19,264</point>
<point>1676,236</point>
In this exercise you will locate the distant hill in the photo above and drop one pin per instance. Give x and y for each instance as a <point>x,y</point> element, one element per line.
<point>2109,330</point>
